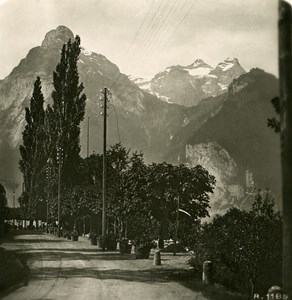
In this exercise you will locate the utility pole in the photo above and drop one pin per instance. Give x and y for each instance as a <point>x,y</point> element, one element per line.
<point>88,137</point>
<point>59,161</point>
<point>105,93</point>
<point>13,199</point>
<point>48,177</point>
<point>23,208</point>
<point>14,186</point>
<point>285,75</point>
<point>176,227</point>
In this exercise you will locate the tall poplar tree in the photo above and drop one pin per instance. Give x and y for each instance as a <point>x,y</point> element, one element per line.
<point>68,109</point>
<point>32,153</point>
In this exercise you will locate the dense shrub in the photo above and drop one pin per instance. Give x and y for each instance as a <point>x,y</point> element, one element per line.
<point>245,246</point>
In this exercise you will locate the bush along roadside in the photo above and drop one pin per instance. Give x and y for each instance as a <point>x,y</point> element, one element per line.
<point>244,246</point>
<point>13,269</point>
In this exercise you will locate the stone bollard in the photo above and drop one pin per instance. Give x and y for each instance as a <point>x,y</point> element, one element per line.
<point>207,277</point>
<point>157,258</point>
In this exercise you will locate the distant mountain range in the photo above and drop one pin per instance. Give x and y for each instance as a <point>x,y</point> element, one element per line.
<point>187,85</point>
<point>193,114</point>
<point>235,143</point>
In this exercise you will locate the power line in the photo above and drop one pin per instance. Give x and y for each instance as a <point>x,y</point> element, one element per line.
<point>173,33</point>
<point>177,27</point>
<point>135,37</point>
<point>179,24</point>
<point>145,35</point>
<point>153,42</point>
<point>146,32</point>
<point>168,27</point>
<point>129,47</point>
<point>149,32</point>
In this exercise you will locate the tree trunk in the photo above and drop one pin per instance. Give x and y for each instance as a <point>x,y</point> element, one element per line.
<point>126,230</point>
<point>162,231</point>
<point>251,294</point>
<point>115,225</point>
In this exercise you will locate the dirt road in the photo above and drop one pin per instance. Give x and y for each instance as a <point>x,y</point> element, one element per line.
<point>62,269</point>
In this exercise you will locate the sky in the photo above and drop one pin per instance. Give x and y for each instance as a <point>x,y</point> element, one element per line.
<point>143,37</point>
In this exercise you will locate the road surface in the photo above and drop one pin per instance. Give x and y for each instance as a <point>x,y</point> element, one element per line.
<point>62,269</point>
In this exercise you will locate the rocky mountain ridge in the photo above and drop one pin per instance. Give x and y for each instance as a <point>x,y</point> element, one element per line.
<point>188,85</point>
<point>197,133</point>
<point>235,144</point>
<point>136,118</point>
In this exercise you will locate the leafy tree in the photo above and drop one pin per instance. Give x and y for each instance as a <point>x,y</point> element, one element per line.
<point>68,110</point>
<point>264,205</point>
<point>117,164</point>
<point>3,203</point>
<point>139,196</point>
<point>274,122</point>
<point>32,149</point>
<point>170,186</point>
<point>62,127</point>
<point>246,246</point>
<point>134,205</point>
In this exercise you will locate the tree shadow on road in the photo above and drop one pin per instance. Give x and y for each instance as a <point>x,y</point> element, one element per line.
<point>31,237</point>
<point>55,255</point>
<point>32,241</point>
<point>93,250</point>
<point>146,276</point>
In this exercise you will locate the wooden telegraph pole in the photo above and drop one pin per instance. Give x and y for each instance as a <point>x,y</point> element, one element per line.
<point>285,74</point>
<point>59,161</point>
<point>105,94</point>
<point>88,137</point>
<point>176,227</point>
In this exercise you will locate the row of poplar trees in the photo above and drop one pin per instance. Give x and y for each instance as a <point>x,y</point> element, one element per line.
<point>55,126</point>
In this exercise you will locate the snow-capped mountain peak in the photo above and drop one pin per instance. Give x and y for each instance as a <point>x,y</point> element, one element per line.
<point>198,68</point>
<point>199,63</point>
<point>228,63</point>
<point>86,52</point>
<point>188,85</point>
<point>231,60</point>
<point>228,70</point>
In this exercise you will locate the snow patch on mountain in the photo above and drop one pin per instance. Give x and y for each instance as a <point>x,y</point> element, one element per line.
<point>228,63</point>
<point>223,87</point>
<point>143,82</point>
<point>187,85</point>
<point>86,52</point>
<point>198,71</point>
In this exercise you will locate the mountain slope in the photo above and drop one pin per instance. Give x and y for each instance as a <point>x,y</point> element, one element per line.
<point>136,118</point>
<point>240,129</point>
<point>188,85</point>
<point>226,133</point>
<point>95,71</point>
